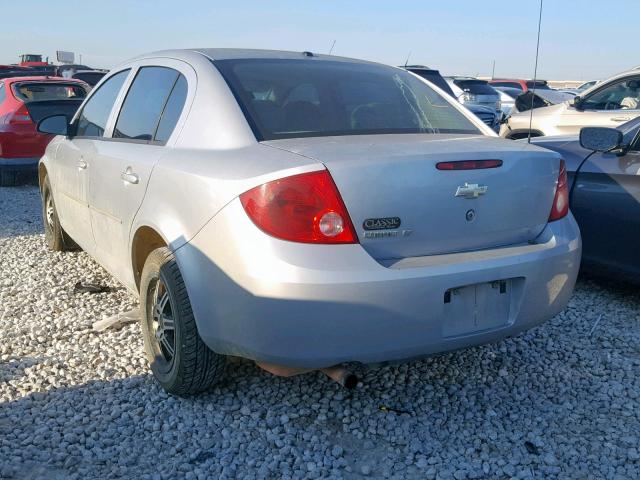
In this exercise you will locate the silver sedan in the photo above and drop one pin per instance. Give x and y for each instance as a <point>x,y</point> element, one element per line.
<point>305,211</point>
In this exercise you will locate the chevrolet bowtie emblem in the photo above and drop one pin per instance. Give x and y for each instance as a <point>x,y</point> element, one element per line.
<point>471,190</point>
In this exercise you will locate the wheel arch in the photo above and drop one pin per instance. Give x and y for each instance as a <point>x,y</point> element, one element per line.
<point>145,240</point>
<point>42,173</point>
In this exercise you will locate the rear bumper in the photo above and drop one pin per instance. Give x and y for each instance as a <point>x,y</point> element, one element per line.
<point>18,171</point>
<point>30,163</point>
<point>315,306</point>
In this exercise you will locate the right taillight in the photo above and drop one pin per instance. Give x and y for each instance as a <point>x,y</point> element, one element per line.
<point>302,208</point>
<point>560,206</point>
<point>20,116</point>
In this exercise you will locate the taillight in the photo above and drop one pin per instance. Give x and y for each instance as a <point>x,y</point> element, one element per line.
<point>302,208</point>
<point>560,206</point>
<point>469,164</point>
<point>21,116</point>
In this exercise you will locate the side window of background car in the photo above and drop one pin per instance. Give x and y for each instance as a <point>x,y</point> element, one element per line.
<point>94,115</point>
<point>172,110</point>
<point>145,102</point>
<point>624,94</point>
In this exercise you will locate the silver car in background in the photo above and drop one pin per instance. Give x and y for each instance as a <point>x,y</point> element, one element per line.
<point>304,211</point>
<point>473,91</point>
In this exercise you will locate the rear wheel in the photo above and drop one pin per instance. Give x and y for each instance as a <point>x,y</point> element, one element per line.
<point>179,359</point>
<point>55,236</point>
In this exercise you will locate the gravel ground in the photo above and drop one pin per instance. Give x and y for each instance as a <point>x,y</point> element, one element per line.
<point>560,401</point>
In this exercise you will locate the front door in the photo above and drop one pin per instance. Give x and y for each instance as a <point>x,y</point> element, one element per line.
<point>606,203</point>
<point>609,106</point>
<point>74,158</point>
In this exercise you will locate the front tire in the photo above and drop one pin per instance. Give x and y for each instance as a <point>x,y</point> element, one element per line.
<point>179,359</point>
<point>55,236</point>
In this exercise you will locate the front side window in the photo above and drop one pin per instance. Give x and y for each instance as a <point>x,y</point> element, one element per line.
<point>144,104</point>
<point>95,114</point>
<point>621,95</point>
<point>303,98</point>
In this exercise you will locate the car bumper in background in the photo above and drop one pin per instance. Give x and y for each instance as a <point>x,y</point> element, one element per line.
<point>313,306</point>
<point>17,171</point>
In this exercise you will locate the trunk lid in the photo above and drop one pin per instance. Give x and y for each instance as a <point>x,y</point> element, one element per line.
<point>395,176</point>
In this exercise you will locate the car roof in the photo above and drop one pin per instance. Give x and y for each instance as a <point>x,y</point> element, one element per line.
<point>519,80</point>
<point>246,53</point>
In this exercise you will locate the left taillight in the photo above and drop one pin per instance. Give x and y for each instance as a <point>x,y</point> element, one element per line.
<point>21,116</point>
<point>304,208</point>
<point>560,206</point>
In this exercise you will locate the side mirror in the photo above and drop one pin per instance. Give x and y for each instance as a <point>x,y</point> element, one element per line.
<point>600,139</point>
<point>54,124</point>
<point>575,102</point>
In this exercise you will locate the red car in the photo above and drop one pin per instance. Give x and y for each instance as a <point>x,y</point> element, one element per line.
<point>523,85</point>
<point>23,102</point>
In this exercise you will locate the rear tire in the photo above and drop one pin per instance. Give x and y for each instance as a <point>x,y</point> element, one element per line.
<point>55,236</point>
<point>179,359</point>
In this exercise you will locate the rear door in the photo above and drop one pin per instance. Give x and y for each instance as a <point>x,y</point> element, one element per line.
<point>123,162</point>
<point>606,203</point>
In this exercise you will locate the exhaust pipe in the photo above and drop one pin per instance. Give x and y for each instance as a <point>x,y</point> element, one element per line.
<point>338,374</point>
<point>342,376</point>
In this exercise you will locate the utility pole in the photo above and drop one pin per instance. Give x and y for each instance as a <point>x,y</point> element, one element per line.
<point>493,70</point>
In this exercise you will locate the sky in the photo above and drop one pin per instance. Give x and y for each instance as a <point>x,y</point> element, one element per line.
<point>580,40</point>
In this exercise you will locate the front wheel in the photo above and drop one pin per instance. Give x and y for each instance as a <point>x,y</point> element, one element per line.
<point>179,359</point>
<point>55,236</point>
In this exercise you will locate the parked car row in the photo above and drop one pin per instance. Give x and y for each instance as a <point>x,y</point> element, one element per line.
<point>470,92</point>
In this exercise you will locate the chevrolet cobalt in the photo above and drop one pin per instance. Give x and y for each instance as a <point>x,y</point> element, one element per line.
<point>305,211</point>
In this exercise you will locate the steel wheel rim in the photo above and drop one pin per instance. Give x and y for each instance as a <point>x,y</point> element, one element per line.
<point>49,211</point>
<point>163,322</point>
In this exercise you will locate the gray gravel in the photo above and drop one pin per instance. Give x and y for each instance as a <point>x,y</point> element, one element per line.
<point>561,401</point>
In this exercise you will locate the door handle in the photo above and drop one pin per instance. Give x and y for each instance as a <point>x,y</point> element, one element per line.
<point>81,164</point>
<point>129,177</point>
<point>620,119</point>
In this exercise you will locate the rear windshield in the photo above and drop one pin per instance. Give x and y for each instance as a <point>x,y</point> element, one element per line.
<point>37,91</point>
<point>284,98</point>
<point>479,87</point>
<point>92,78</point>
<point>540,84</point>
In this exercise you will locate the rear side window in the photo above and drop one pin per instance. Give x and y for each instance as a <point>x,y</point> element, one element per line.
<point>94,116</point>
<point>172,110</point>
<point>145,102</point>
<point>3,95</point>
<point>38,91</point>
